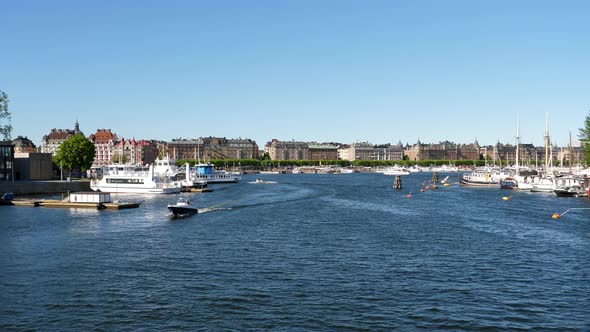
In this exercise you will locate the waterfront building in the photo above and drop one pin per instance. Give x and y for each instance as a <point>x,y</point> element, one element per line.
<point>443,151</point>
<point>361,151</point>
<point>279,150</point>
<point>322,151</point>
<point>135,152</point>
<point>33,166</point>
<point>343,152</point>
<point>50,143</point>
<point>570,155</point>
<point>207,148</point>
<point>6,161</point>
<point>104,141</point>
<point>471,151</point>
<point>180,148</point>
<point>388,152</point>
<point>367,151</point>
<point>242,148</point>
<point>23,145</point>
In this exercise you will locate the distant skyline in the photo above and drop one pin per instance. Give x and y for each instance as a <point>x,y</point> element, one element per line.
<point>326,71</point>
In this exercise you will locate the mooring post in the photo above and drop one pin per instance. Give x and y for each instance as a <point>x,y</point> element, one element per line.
<point>397,182</point>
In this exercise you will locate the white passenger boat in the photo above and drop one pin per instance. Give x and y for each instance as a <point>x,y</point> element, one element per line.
<point>444,169</point>
<point>132,179</point>
<point>486,177</point>
<point>396,170</point>
<point>206,172</point>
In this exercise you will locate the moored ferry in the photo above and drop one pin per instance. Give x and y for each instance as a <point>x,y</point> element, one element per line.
<point>205,172</point>
<point>486,177</point>
<point>132,179</point>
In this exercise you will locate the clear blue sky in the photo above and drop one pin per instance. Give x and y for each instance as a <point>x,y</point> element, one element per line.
<point>344,71</point>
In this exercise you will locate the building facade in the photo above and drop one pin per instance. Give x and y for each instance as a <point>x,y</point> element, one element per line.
<point>388,152</point>
<point>207,148</point>
<point>23,145</point>
<point>6,161</point>
<point>33,166</point>
<point>317,151</point>
<point>279,150</point>
<point>104,141</point>
<point>50,143</point>
<point>443,151</point>
<point>135,152</point>
<point>361,151</point>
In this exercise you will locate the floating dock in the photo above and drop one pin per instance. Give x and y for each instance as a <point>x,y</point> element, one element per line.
<point>80,200</point>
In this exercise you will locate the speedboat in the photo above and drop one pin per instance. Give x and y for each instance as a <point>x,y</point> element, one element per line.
<point>508,183</point>
<point>569,187</point>
<point>261,181</point>
<point>182,208</point>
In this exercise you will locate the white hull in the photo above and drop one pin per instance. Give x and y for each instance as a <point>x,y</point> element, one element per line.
<point>396,172</point>
<point>486,178</point>
<point>131,179</point>
<point>217,178</point>
<point>134,190</point>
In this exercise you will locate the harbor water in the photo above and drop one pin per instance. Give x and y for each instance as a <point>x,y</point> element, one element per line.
<point>311,252</point>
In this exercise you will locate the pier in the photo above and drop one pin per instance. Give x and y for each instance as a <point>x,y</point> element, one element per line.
<point>79,200</point>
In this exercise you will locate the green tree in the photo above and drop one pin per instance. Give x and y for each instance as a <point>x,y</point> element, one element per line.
<point>5,129</point>
<point>76,152</point>
<point>585,138</point>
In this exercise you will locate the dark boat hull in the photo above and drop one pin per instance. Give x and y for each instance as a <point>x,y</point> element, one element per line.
<point>181,211</point>
<point>568,193</point>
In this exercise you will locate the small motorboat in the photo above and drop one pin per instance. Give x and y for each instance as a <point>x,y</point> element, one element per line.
<point>569,191</point>
<point>508,183</point>
<point>182,208</point>
<point>260,181</point>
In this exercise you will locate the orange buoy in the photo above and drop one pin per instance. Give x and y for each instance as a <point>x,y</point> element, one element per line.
<point>555,216</point>
<point>505,198</point>
<point>408,195</point>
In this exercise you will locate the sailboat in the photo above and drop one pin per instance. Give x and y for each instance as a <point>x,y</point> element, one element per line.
<point>546,183</point>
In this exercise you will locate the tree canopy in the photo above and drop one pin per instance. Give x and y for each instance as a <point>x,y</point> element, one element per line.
<point>5,126</point>
<point>76,152</point>
<point>585,138</point>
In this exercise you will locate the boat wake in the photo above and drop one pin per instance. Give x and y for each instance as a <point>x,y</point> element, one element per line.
<point>213,209</point>
<point>359,205</point>
<point>262,198</point>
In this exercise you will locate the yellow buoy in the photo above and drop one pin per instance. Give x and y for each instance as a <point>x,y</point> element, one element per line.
<point>555,216</point>
<point>505,198</point>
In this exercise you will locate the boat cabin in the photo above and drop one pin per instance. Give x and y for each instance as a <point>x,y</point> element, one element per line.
<point>90,197</point>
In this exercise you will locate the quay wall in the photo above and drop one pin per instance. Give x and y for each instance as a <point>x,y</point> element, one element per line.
<point>42,187</point>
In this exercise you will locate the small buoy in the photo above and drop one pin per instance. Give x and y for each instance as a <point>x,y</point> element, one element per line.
<point>505,198</point>
<point>555,216</point>
<point>421,190</point>
<point>447,184</point>
<point>408,195</point>
<point>427,187</point>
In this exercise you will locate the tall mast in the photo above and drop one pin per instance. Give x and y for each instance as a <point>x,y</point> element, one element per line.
<point>517,140</point>
<point>571,152</point>
<point>547,142</point>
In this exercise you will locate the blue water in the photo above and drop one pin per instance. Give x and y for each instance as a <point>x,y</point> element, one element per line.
<point>311,252</point>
